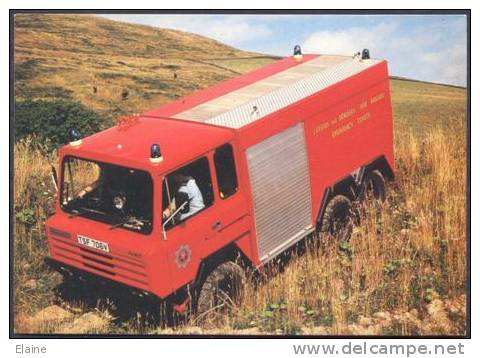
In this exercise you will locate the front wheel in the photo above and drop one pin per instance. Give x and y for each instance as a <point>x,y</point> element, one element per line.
<point>221,288</point>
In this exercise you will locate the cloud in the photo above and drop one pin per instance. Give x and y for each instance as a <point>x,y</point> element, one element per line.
<point>231,29</point>
<point>424,53</point>
<point>429,48</point>
<point>448,64</point>
<point>349,41</point>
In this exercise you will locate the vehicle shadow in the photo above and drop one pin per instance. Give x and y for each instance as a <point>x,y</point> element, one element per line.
<point>127,311</point>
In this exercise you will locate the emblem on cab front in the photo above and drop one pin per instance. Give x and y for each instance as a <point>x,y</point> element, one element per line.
<point>183,256</point>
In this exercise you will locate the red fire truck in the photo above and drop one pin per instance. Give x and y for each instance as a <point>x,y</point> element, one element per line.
<point>168,203</point>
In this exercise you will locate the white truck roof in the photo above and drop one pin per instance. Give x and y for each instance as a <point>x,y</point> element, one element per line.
<point>252,102</point>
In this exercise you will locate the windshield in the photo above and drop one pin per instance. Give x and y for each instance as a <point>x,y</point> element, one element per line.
<point>108,193</point>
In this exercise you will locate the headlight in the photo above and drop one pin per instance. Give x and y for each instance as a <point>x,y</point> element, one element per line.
<point>119,202</point>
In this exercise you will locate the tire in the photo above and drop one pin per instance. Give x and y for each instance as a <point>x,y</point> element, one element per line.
<point>222,287</point>
<point>337,220</point>
<point>374,187</point>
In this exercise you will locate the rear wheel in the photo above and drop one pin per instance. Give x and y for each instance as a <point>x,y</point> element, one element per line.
<point>337,220</point>
<point>374,187</point>
<point>221,288</point>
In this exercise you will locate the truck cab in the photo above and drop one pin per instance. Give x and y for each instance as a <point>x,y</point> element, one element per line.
<point>110,219</point>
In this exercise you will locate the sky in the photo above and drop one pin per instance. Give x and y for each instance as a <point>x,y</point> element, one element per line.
<point>423,47</point>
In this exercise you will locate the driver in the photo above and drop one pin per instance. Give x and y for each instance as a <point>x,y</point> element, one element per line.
<point>106,181</point>
<point>188,189</point>
<point>92,186</point>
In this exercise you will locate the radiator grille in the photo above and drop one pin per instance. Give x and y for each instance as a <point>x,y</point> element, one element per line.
<point>129,270</point>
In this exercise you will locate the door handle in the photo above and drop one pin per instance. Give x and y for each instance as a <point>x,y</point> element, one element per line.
<point>217,226</point>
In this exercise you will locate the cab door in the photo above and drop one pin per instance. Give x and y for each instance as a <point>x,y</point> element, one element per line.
<point>231,220</point>
<point>222,220</point>
<point>186,237</point>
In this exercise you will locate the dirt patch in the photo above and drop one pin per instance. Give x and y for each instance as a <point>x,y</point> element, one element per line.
<point>44,321</point>
<point>55,319</point>
<point>445,317</point>
<point>441,317</point>
<point>88,323</point>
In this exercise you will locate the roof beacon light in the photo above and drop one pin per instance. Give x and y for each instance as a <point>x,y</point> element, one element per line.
<point>74,137</point>
<point>155,154</point>
<point>297,53</point>
<point>365,54</point>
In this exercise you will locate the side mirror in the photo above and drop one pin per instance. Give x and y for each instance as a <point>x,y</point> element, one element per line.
<point>54,177</point>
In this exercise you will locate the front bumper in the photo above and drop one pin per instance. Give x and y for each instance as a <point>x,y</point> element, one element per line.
<point>70,272</point>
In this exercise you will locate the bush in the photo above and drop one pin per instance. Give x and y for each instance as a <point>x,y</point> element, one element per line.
<point>26,70</point>
<point>51,120</point>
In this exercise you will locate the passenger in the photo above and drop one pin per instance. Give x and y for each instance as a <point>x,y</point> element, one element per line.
<point>187,190</point>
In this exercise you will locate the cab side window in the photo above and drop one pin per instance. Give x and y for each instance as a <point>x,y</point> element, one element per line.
<point>186,192</point>
<point>225,169</point>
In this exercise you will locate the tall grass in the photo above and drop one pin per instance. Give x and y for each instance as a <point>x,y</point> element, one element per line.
<point>403,255</point>
<point>34,196</point>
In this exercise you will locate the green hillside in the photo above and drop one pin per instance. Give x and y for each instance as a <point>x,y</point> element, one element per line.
<point>94,60</point>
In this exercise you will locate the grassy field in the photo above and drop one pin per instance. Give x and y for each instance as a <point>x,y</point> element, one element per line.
<point>402,273</point>
<point>92,60</point>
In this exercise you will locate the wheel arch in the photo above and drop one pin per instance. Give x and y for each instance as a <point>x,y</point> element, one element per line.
<point>350,184</point>
<point>230,252</point>
<point>383,166</point>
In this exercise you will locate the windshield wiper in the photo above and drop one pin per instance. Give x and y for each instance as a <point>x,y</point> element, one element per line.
<point>121,223</point>
<point>131,220</point>
<point>81,210</point>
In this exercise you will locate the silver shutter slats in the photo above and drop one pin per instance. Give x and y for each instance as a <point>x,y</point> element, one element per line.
<point>278,169</point>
